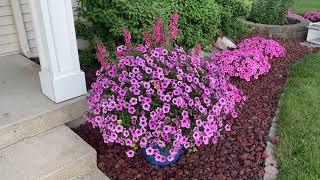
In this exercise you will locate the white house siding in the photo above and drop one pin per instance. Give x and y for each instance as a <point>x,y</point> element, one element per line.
<point>27,18</point>
<point>9,41</point>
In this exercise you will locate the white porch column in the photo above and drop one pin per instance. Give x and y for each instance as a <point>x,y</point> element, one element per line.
<point>60,75</point>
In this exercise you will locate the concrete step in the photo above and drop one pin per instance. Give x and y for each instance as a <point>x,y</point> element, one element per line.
<point>94,175</point>
<point>24,110</point>
<point>57,154</point>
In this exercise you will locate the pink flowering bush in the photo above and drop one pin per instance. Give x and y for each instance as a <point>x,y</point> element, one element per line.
<point>243,63</point>
<point>251,59</point>
<point>312,16</point>
<point>296,16</point>
<point>157,95</point>
<point>269,47</point>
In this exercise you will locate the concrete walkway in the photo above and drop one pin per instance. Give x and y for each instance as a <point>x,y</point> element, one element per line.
<point>34,142</point>
<point>24,110</point>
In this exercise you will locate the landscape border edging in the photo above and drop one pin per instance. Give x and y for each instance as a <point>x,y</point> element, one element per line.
<point>297,31</point>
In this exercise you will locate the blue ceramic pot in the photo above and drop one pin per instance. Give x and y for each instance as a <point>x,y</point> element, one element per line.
<point>163,151</point>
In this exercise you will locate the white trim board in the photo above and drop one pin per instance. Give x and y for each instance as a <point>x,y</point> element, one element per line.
<point>21,31</point>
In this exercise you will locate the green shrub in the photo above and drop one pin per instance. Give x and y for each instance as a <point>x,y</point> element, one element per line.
<point>234,8</point>
<point>199,21</point>
<point>230,24</point>
<point>87,58</point>
<point>270,11</point>
<point>236,28</point>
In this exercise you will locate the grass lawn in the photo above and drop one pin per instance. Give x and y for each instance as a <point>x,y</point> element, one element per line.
<point>301,6</point>
<point>298,151</point>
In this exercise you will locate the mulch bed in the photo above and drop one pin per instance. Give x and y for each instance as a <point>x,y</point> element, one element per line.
<point>90,73</point>
<point>238,155</point>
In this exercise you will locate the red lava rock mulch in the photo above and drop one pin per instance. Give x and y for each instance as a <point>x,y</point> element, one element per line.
<point>90,73</point>
<point>238,155</point>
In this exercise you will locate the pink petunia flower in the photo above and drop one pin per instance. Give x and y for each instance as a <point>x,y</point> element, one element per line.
<point>130,153</point>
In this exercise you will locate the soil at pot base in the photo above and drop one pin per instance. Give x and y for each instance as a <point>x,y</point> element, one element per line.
<point>292,21</point>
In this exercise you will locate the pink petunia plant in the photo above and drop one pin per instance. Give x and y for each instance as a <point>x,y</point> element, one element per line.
<point>313,16</point>
<point>160,96</point>
<point>242,63</point>
<point>251,59</point>
<point>269,47</point>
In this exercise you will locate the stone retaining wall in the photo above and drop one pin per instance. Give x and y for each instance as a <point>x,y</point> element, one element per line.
<point>296,31</point>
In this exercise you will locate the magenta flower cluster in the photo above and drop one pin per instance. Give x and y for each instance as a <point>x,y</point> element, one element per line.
<point>313,16</point>
<point>159,97</point>
<point>242,63</point>
<point>251,59</point>
<point>163,98</point>
<point>269,47</point>
<point>296,16</point>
